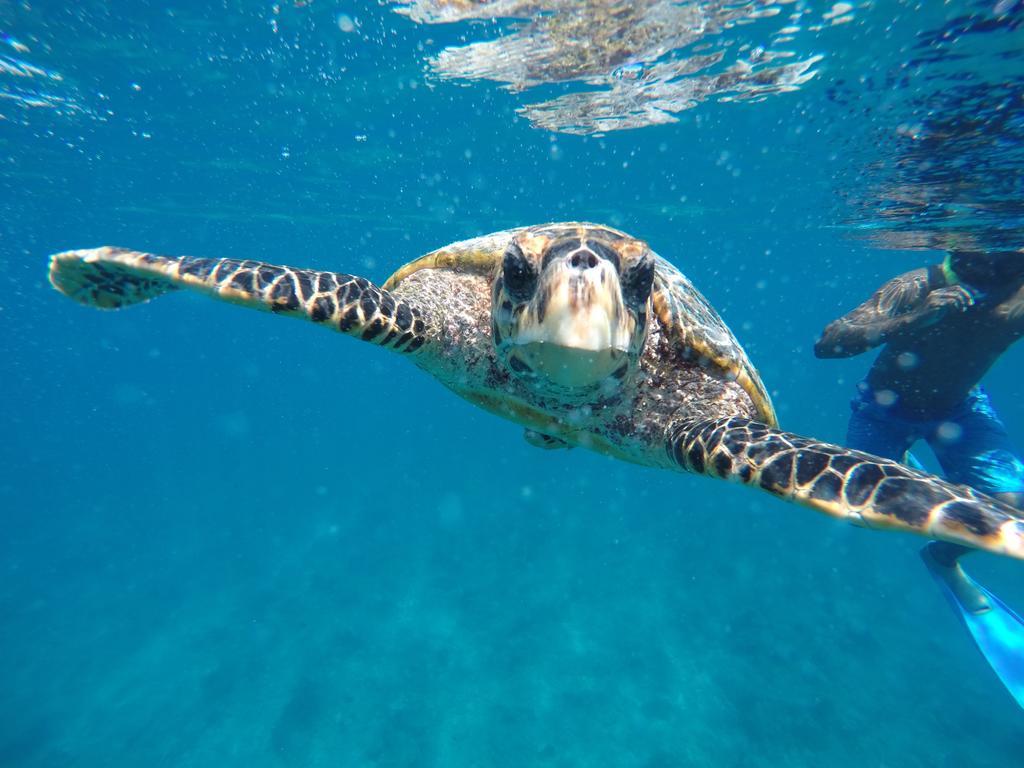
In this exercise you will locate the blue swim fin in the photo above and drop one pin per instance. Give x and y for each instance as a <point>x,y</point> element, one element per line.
<point>996,629</point>
<point>912,461</point>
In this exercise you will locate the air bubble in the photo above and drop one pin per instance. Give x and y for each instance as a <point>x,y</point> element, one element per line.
<point>949,432</point>
<point>346,23</point>
<point>907,361</point>
<point>886,397</point>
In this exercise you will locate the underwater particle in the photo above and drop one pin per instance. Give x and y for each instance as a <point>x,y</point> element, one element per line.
<point>910,131</point>
<point>886,397</point>
<point>949,432</point>
<point>136,87</point>
<point>526,492</point>
<point>15,44</point>
<point>346,23</point>
<point>838,10</point>
<point>609,386</point>
<point>285,153</point>
<point>360,137</point>
<point>907,361</point>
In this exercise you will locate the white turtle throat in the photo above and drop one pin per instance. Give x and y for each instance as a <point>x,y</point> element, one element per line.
<point>576,330</point>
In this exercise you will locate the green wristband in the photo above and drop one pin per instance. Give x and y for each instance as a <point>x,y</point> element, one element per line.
<point>948,272</point>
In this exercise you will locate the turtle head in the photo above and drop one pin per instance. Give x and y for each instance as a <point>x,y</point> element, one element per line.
<point>570,306</point>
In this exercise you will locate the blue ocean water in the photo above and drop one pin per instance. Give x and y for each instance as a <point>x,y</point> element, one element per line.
<point>234,540</point>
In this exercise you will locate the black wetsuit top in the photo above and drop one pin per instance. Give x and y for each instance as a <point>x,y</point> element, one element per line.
<point>940,338</point>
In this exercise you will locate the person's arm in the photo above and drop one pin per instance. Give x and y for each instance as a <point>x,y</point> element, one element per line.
<point>911,301</point>
<point>1011,311</point>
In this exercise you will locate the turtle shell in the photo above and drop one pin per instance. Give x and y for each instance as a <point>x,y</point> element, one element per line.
<point>478,256</point>
<point>699,333</point>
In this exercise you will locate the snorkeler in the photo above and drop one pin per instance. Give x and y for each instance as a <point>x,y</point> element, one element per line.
<point>942,328</point>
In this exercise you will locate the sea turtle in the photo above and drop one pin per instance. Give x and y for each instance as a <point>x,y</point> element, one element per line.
<point>586,337</point>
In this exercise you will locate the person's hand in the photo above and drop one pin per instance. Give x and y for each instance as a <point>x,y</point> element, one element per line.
<point>1012,310</point>
<point>1015,311</point>
<point>942,301</point>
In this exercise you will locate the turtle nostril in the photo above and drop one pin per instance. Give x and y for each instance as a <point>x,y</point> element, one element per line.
<point>583,260</point>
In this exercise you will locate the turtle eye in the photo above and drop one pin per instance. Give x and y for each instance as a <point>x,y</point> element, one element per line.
<point>637,281</point>
<point>519,274</point>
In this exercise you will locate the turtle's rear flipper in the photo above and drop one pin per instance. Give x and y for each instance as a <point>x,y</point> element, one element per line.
<point>545,442</point>
<point>110,278</point>
<point>996,629</point>
<point>865,490</point>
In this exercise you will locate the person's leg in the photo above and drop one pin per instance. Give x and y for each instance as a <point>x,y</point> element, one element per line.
<point>973,448</point>
<point>943,560</point>
<point>872,431</point>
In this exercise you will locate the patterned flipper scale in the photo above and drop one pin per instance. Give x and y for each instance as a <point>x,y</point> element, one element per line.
<point>110,278</point>
<point>863,489</point>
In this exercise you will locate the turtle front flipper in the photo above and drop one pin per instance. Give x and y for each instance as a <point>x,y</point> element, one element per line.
<point>865,490</point>
<point>110,278</point>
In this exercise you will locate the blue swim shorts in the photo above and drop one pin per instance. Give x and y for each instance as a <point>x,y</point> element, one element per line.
<point>970,442</point>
